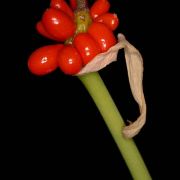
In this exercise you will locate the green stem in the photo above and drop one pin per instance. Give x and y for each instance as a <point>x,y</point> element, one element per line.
<point>99,93</point>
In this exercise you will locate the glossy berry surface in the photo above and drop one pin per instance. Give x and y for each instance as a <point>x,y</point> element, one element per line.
<point>103,35</point>
<point>86,46</point>
<point>58,24</point>
<point>44,60</point>
<point>69,60</point>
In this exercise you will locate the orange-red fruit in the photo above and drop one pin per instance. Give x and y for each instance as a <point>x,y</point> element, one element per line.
<point>58,24</point>
<point>44,60</point>
<point>102,35</point>
<point>69,60</point>
<point>86,46</point>
<point>109,19</point>
<point>63,6</point>
<point>73,4</point>
<point>99,7</point>
<point>41,30</point>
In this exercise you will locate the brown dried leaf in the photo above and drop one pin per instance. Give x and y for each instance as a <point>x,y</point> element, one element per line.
<point>134,64</point>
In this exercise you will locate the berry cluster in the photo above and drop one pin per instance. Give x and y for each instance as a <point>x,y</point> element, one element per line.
<point>80,34</point>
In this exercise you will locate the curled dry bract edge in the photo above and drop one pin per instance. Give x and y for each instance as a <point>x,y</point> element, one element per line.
<point>134,64</point>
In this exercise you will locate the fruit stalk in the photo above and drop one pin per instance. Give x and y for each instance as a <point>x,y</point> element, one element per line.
<point>82,4</point>
<point>101,97</point>
<point>105,104</point>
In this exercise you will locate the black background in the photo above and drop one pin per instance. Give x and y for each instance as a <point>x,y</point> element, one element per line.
<point>53,128</point>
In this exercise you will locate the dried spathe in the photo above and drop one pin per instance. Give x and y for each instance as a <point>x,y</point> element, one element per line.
<point>134,64</point>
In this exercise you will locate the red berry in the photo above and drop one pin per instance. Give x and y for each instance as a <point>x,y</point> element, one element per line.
<point>41,30</point>
<point>73,4</point>
<point>70,61</point>
<point>109,19</point>
<point>44,60</point>
<point>63,6</point>
<point>102,35</point>
<point>99,7</point>
<point>58,24</point>
<point>86,46</point>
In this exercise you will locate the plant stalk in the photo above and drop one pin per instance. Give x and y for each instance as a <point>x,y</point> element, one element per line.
<point>99,93</point>
<point>81,4</point>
